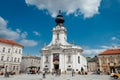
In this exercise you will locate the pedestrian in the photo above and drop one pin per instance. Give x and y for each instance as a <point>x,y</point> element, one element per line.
<point>82,70</point>
<point>72,72</point>
<point>43,74</point>
<point>65,72</point>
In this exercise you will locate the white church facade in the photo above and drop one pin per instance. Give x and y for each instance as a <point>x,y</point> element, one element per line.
<point>61,55</point>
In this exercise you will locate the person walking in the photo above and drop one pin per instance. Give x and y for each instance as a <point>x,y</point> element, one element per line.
<point>43,74</point>
<point>72,72</point>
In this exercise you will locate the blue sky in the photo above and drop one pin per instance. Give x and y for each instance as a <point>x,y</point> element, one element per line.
<point>93,25</point>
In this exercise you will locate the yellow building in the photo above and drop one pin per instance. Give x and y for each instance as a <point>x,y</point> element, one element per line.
<point>109,59</point>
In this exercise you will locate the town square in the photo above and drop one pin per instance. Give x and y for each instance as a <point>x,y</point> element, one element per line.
<point>59,40</point>
<point>62,77</point>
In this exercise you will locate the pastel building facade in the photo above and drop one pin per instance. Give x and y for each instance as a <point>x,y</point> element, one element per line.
<point>30,61</point>
<point>109,60</point>
<point>10,56</point>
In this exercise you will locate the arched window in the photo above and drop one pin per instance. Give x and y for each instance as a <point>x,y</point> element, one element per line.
<point>57,36</point>
<point>79,59</point>
<point>46,58</point>
<point>69,58</point>
<point>17,67</point>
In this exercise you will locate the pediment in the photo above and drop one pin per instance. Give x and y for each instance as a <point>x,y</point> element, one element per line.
<point>56,48</point>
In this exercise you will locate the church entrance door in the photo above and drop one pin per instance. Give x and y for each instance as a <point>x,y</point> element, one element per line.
<point>112,69</point>
<point>56,66</point>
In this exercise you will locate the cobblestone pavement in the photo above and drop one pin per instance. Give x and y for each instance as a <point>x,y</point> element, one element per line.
<point>51,77</point>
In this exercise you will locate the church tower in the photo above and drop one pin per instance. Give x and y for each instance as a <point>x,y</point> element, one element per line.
<point>59,32</point>
<point>59,55</point>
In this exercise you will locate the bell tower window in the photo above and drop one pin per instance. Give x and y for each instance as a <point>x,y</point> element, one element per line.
<point>57,36</point>
<point>46,61</point>
<point>69,58</point>
<point>79,59</point>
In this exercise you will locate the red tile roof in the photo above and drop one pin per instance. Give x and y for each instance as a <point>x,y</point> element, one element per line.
<point>9,42</point>
<point>111,52</point>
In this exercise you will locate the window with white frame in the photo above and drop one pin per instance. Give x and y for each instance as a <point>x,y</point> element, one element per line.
<point>15,59</point>
<point>16,50</point>
<point>13,67</point>
<point>7,58</point>
<point>17,67</point>
<point>111,59</point>
<point>12,59</point>
<point>9,50</point>
<point>18,59</point>
<point>19,51</point>
<point>2,58</point>
<point>3,49</point>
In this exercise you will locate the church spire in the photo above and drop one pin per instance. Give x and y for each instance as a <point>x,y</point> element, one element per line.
<point>59,19</point>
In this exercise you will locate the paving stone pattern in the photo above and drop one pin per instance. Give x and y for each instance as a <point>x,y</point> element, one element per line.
<point>53,77</point>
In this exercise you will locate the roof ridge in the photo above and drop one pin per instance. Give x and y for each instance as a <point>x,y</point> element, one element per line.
<point>10,42</point>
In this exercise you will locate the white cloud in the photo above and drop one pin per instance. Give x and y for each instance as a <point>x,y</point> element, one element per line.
<point>106,47</point>
<point>18,30</point>
<point>28,43</point>
<point>3,23</point>
<point>36,33</point>
<point>5,32</point>
<point>114,38</point>
<point>92,52</point>
<point>24,35</point>
<point>88,8</point>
